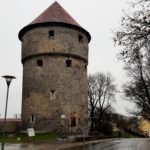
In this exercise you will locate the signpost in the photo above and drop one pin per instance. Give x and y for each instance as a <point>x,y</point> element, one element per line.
<point>63,116</point>
<point>31,132</point>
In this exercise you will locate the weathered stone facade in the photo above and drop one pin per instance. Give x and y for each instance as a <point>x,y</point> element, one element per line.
<point>51,87</point>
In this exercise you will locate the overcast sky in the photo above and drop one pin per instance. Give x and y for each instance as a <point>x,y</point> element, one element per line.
<point>98,17</point>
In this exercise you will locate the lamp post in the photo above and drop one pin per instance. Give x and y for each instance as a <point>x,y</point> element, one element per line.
<point>8,81</point>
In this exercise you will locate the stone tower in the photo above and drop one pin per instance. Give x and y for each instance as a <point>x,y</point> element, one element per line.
<point>55,59</point>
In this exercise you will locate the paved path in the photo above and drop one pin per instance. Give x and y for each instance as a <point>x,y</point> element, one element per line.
<point>109,144</point>
<point>47,145</point>
<point>123,144</point>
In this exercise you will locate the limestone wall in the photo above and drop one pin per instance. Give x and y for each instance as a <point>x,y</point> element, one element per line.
<point>53,89</point>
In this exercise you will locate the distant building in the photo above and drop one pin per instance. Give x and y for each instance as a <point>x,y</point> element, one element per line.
<point>12,125</point>
<point>55,59</point>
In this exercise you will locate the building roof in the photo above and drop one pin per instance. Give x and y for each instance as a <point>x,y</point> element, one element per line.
<point>55,15</point>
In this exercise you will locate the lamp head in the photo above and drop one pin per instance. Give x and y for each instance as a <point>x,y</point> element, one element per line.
<point>8,79</point>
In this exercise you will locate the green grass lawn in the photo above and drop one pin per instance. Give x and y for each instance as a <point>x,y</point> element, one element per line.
<point>23,138</point>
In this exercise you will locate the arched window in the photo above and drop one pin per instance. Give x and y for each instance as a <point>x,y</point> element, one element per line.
<point>73,121</point>
<point>32,118</point>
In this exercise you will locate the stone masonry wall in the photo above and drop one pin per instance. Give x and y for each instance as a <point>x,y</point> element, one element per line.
<point>53,89</point>
<point>65,40</point>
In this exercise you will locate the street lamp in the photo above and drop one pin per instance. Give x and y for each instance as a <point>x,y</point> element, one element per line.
<point>8,81</point>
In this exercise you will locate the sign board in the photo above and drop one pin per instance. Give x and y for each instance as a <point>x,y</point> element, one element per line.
<point>63,116</point>
<point>115,129</point>
<point>30,132</point>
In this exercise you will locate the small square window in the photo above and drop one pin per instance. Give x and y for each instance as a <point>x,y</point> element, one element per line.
<point>40,62</point>
<point>80,38</point>
<point>51,34</point>
<point>69,63</point>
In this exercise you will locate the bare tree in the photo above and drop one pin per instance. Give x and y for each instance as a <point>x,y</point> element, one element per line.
<point>101,93</point>
<point>133,38</point>
<point>134,33</point>
<point>138,87</point>
<point>92,93</point>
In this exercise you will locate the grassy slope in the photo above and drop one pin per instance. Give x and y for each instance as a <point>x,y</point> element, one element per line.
<point>23,138</point>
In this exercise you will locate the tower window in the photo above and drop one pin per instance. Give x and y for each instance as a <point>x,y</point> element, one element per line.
<point>69,63</point>
<point>51,34</point>
<point>40,62</point>
<point>52,94</point>
<point>28,95</point>
<point>80,38</point>
<point>52,91</point>
<point>32,119</point>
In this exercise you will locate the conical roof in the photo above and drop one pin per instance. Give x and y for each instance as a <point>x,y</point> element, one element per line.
<point>55,15</point>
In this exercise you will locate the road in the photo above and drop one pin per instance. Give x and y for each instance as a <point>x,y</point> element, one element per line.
<point>115,144</point>
<point>122,144</point>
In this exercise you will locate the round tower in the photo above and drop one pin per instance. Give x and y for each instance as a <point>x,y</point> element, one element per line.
<point>55,59</point>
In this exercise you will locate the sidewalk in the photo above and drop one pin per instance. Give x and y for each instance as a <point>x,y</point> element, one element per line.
<point>49,145</point>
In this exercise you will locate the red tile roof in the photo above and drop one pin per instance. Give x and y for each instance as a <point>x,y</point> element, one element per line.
<point>55,13</point>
